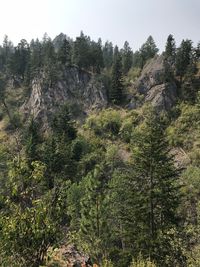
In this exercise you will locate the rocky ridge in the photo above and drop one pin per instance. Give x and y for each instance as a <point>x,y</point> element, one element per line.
<point>151,85</point>
<point>75,87</point>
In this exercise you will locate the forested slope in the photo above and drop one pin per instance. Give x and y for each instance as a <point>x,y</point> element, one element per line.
<point>99,154</point>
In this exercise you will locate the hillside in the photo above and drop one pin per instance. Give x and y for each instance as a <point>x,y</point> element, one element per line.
<point>100,154</point>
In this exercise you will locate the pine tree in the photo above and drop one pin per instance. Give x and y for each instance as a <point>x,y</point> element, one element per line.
<point>127,58</point>
<point>62,125</point>
<point>93,226</point>
<point>156,185</point>
<point>32,141</point>
<point>108,54</point>
<point>81,51</point>
<point>148,209</point>
<point>170,49</point>
<point>96,56</point>
<point>36,57</point>
<point>148,50</point>
<point>116,91</point>
<point>183,58</point>
<point>19,60</point>
<point>64,52</point>
<point>7,51</point>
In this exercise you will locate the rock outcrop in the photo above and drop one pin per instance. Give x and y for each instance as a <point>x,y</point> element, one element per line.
<point>152,87</point>
<point>78,88</point>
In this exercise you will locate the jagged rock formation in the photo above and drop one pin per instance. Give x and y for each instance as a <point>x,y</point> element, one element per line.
<point>84,92</point>
<point>152,87</point>
<point>81,90</point>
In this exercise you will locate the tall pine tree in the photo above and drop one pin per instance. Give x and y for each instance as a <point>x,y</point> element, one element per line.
<point>116,92</point>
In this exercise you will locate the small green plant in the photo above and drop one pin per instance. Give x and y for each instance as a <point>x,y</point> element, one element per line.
<point>140,262</point>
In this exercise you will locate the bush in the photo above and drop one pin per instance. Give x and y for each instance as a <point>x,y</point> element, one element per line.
<point>139,262</point>
<point>107,123</point>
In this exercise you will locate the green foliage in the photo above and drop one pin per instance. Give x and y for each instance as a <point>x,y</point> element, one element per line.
<point>64,52</point>
<point>127,58</point>
<point>129,123</point>
<point>148,209</point>
<point>190,191</point>
<point>183,57</point>
<point>31,221</point>
<point>142,263</point>
<point>108,54</point>
<point>19,60</point>
<point>110,185</point>
<point>170,49</point>
<point>94,230</point>
<point>36,57</point>
<point>133,73</point>
<point>62,124</point>
<point>187,122</point>
<point>148,50</point>
<point>116,92</point>
<point>106,123</point>
<point>32,140</point>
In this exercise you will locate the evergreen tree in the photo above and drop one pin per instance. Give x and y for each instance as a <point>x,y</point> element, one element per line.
<point>137,60</point>
<point>96,56</point>
<point>108,54</point>
<point>3,84</point>
<point>127,58</point>
<point>64,52</point>
<point>148,209</point>
<point>170,49</point>
<point>57,149</point>
<point>93,226</point>
<point>183,58</point>
<point>36,57</point>
<point>6,51</point>
<point>116,91</point>
<point>49,61</point>
<point>62,125</point>
<point>32,141</point>
<point>81,51</point>
<point>148,50</point>
<point>19,60</point>
<point>197,51</point>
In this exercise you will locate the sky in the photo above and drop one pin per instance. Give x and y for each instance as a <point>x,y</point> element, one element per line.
<point>113,20</point>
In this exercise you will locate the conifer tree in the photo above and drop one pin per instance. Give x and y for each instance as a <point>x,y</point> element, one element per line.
<point>148,209</point>
<point>93,226</point>
<point>81,51</point>
<point>108,54</point>
<point>64,52</point>
<point>36,57</point>
<point>148,50</point>
<point>127,58</point>
<point>170,49</point>
<point>183,58</point>
<point>32,141</point>
<point>96,56</point>
<point>116,91</point>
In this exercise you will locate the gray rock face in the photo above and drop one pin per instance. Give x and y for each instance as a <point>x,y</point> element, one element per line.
<point>152,86</point>
<point>162,96</point>
<point>75,87</point>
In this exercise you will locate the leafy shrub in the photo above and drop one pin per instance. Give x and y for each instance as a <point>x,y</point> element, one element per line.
<point>107,123</point>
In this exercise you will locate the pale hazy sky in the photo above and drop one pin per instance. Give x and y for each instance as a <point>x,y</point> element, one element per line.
<point>114,20</point>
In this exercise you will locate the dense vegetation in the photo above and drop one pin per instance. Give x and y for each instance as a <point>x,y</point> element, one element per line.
<point>112,186</point>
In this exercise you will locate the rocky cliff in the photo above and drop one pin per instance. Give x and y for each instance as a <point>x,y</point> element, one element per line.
<point>152,87</point>
<point>81,90</point>
<point>84,92</point>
